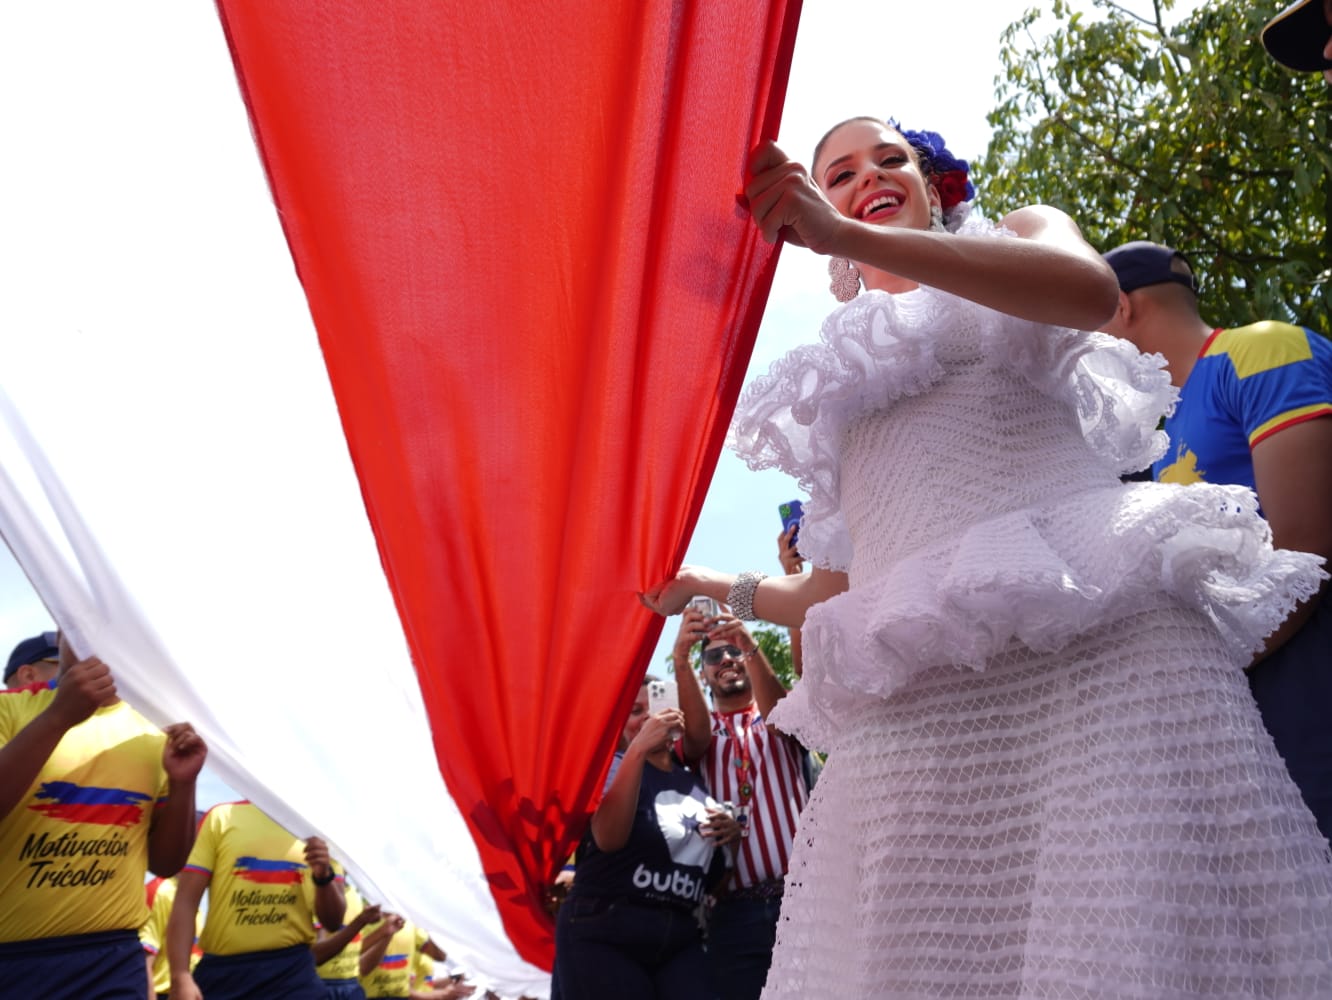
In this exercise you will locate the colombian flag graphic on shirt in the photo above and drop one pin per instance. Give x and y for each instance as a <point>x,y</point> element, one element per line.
<point>394,962</point>
<point>72,803</point>
<point>266,872</point>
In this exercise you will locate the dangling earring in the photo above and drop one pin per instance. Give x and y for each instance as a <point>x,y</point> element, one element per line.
<point>937,220</point>
<point>845,276</point>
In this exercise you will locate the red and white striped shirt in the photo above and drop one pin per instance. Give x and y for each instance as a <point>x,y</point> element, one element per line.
<point>744,751</point>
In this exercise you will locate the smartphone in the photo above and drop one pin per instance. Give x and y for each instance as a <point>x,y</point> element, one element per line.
<point>705,606</point>
<point>791,513</point>
<point>662,694</point>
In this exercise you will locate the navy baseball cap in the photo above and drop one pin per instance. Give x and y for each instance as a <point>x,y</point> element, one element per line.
<point>39,647</point>
<point>1140,263</point>
<point>1297,36</point>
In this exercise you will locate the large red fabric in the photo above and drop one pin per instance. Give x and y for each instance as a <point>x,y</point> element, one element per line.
<point>516,226</point>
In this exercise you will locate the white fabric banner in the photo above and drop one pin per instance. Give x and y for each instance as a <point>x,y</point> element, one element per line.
<point>173,477</point>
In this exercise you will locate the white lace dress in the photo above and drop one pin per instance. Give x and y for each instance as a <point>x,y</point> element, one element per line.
<point>1046,774</point>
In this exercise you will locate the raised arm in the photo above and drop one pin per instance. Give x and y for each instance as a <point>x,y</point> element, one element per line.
<point>613,821</point>
<point>793,564</point>
<point>171,834</point>
<point>376,943</point>
<point>781,600</point>
<point>330,945</point>
<point>693,704</point>
<point>330,900</point>
<point>83,688</point>
<point>1049,274</point>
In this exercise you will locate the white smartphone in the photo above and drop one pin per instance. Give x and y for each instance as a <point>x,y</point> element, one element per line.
<point>662,694</point>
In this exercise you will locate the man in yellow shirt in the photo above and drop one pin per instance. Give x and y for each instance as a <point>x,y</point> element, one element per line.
<point>391,957</point>
<point>33,661</point>
<point>265,890</point>
<point>161,893</point>
<point>337,955</point>
<point>91,796</point>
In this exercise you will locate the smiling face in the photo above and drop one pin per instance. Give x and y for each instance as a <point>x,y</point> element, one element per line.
<point>727,675</point>
<point>869,172</point>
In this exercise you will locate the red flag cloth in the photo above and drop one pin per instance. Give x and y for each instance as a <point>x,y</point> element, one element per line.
<point>516,225</point>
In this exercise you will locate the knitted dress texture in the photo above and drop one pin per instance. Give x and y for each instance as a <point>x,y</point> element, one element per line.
<point>1046,775</point>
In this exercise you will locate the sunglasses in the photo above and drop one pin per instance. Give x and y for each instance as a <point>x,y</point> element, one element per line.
<point>713,654</point>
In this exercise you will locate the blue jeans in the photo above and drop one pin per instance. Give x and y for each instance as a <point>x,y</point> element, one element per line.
<point>741,935</point>
<point>609,948</point>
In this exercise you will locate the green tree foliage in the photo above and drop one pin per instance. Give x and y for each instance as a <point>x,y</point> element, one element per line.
<point>1185,133</point>
<point>776,646</point>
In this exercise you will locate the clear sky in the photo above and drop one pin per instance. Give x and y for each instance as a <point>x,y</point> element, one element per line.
<point>145,93</point>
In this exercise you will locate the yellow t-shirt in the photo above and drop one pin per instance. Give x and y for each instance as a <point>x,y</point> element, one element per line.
<point>152,935</point>
<point>74,851</point>
<point>392,977</point>
<point>346,964</point>
<point>260,893</point>
<point>423,972</point>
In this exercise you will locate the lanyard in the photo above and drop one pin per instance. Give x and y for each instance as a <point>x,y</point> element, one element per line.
<point>744,761</point>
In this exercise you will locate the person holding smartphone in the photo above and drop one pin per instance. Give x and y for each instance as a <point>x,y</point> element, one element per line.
<point>629,926</point>
<point>1046,774</point>
<point>757,769</point>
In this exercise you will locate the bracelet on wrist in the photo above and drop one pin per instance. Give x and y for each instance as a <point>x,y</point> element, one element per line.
<point>323,880</point>
<point>741,595</point>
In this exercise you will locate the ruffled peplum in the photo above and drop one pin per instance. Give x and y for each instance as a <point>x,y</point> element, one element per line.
<point>1042,577</point>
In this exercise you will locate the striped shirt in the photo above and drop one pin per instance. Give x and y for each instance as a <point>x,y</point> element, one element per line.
<point>744,751</point>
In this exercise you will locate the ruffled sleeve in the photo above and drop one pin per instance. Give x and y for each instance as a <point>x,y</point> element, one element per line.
<point>875,349</point>
<point>1118,393</point>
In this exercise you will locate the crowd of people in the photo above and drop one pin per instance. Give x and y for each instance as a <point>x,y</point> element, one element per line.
<point>93,798</point>
<point>1071,719</point>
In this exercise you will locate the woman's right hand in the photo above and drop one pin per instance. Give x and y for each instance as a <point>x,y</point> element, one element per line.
<point>670,596</point>
<point>659,732</point>
<point>787,204</point>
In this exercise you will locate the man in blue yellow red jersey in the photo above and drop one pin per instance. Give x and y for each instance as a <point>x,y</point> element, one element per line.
<point>265,890</point>
<point>1255,410</point>
<point>92,795</point>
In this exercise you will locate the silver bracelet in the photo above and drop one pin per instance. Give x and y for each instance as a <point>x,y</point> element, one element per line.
<point>741,595</point>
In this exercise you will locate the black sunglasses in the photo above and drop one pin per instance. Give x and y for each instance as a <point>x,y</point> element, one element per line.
<point>713,654</point>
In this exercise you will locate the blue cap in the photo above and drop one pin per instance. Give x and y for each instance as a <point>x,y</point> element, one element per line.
<point>39,647</point>
<point>1140,263</point>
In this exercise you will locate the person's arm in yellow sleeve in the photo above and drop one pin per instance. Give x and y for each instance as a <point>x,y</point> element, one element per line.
<point>190,886</point>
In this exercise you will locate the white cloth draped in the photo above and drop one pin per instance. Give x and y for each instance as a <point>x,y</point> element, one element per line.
<point>175,482</point>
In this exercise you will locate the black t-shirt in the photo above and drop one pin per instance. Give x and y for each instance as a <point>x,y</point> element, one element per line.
<point>666,859</point>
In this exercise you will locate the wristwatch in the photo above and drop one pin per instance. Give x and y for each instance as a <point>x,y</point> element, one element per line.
<point>326,879</point>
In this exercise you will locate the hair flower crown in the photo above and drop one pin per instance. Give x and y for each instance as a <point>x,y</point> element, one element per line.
<point>948,174</point>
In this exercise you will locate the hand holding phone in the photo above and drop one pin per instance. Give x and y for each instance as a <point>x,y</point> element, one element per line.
<point>662,694</point>
<point>705,606</point>
<point>792,512</point>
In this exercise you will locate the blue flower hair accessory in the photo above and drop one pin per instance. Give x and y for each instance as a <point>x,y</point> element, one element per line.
<point>948,174</point>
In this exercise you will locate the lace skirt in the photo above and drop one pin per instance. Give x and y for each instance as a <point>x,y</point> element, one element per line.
<point>1107,821</point>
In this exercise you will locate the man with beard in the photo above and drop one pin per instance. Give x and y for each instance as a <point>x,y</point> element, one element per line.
<point>755,768</point>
